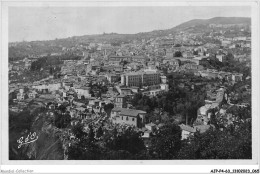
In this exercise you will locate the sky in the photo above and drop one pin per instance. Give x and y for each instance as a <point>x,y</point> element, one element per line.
<point>47,23</point>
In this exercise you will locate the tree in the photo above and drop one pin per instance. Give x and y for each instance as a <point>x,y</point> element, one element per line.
<point>62,120</point>
<point>21,121</point>
<point>51,70</point>
<point>86,147</point>
<point>77,130</point>
<point>234,142</point>
<point>62,108</point>
<point>166,143</point>
<point>108,108</point>
<point>84,150</point>
<point>91,134</point>
<point>177,45</point>
<point>195,52</point>
<point>99,132</point>
<point>129,140</point>
<point>177,54</point>
<point>125,62</point>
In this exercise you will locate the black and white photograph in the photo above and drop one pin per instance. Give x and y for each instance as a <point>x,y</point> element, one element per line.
<point>131,83</point>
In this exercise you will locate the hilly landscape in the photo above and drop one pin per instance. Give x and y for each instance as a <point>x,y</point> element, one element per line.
<point>216,20</point>
<point>22,49</point>
<point>158,33</point>
<point>177,93</point>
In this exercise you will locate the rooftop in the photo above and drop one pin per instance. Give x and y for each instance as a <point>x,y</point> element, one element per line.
<point>129,112</point>
<point>187,128</point>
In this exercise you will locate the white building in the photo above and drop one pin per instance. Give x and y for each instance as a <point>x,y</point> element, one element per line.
<point>186,131</point>
<point>49,87</point>
<point>82,91</point>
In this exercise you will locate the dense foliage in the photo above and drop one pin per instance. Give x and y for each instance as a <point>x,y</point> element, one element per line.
<point>166,143</point>
<point>234,142</point>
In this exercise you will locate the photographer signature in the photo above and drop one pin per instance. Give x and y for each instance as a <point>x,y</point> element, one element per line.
<point>29,139</point>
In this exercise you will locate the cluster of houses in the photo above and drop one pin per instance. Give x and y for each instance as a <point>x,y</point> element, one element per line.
<point>126,69</point>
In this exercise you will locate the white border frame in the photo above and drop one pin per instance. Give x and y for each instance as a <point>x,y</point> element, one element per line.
<point>150,169</point>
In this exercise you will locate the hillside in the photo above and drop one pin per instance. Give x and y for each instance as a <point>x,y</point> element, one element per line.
<point>216,20</point>
<point>48,146</point>
<point>23,49</point>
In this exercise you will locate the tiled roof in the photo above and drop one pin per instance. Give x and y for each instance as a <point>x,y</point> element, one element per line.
<point>129,112</point>
<point>202,128</point>
<point>187,128</point>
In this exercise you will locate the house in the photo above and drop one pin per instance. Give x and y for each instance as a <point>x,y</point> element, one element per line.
<point>20,96</point>
<point>221,57</point>
<point>32,94</point>
<point>135,89</point>
<point>186,131</point>
<point>83,91</point>
<point>225,42</point>
<point>156,92</point>
<point>164,87</point>
<point>203,128</point>
<point>112,78</point>
<point>150,126</point>
<point>118,68</point>
<point>128,116</point>
<point>164,79</point>
<point>119,59</point>
<point>169,54</point>
<point>146,136</point>
<point>96,102</point>
<point>47,87</point>
<point>172,62</point>
<point>237,77</point>
<point>138,59</point>
<point>203,115</point>
<point>146,133</point>
<point>125,91</point>
<point>120,101</point>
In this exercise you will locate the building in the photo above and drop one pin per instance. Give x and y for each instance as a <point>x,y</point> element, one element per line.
<point>82,91</point>
<point>150,126</point>
<point>169,54</point>
<point>32,94</point>
<point>120,101</point>
<point>118,68</point>
<point>138,59</point>
<point>221,57</point>
<point>112,78</point>
<point>132,79</point>
<point>164,79</point>
<point>186,131</point>
<point>225,42</point>
<point>119,59</point>
<point>237,77</point>
<point>47,87</point>
<point>140,79</point>
<point>20,96</point>
<point>164,87</point>
<point>150,78</point>
<point>156,92</point>
<point>129,117</point>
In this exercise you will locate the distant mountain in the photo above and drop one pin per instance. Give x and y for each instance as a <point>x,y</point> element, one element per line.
<point>216,20</point>
<point>156,33</point>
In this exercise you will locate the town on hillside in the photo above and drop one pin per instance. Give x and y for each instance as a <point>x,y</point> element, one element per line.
<point>183,93</point>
